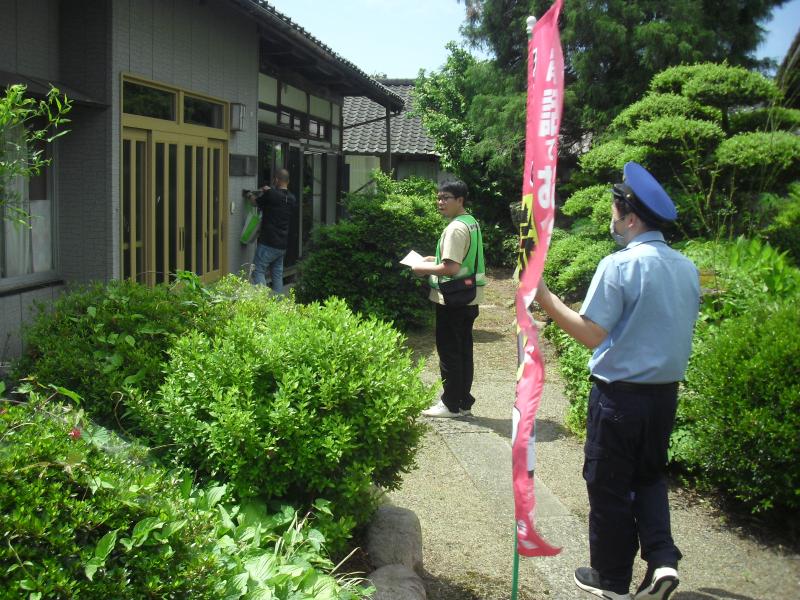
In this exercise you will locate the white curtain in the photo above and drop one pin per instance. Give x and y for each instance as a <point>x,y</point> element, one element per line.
<point>16,233</point>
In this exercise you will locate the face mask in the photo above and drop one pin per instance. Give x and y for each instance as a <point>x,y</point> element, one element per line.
<point>618,238</point>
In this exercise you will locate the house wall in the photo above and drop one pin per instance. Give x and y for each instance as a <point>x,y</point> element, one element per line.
<point>29,37</point>
<point>86,217</point>
<point>204,47</point>
<point>44,39</point>
<point>426,169</point>
<point>361,168</point>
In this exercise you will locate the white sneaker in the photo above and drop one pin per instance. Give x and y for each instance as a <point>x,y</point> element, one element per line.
<point>465,412</point>
<point>663,583</point>
<point>439,410</point>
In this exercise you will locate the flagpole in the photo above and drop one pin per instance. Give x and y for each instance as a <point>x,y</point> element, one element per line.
<point>529,24</point>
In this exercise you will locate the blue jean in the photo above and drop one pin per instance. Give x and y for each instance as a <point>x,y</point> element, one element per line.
<point>269,260</point>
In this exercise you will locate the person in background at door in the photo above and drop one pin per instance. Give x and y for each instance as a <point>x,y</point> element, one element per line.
<point>638,317</point>
<point>459,255</point>
<point>277,205</point>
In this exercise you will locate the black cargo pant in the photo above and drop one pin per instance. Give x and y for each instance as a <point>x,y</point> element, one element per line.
<point>454,345</point>
<point>627,436</point>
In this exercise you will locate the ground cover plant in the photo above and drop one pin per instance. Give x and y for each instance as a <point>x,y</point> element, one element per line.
<point>84,514</point>
<point>357,259</point>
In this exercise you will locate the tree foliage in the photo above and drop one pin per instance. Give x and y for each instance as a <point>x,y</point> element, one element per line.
<point>613,48</point>
<point>475,114</point>
<point>710,133</point>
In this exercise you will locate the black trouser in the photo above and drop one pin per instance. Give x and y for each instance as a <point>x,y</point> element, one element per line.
<point>454,345</point>
<point>627,435</point>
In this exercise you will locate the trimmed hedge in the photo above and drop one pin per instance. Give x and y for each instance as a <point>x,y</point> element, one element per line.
<point>357,259</point>
<point>284,401</point>
<point>571,263</point>
<point>292,402</point>
<point>742,407</point>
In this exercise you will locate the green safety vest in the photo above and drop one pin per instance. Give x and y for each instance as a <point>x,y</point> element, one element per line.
<point>470,266</point>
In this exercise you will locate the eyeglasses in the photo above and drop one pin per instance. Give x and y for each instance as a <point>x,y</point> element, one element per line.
<point>445,197</point>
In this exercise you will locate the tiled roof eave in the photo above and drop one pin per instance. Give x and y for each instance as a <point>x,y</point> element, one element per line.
<point>269,16</point>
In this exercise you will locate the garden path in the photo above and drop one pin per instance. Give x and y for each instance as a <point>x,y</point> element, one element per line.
<point>461,492</point>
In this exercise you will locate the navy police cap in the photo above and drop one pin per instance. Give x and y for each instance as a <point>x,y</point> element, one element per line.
<point>648,194</point>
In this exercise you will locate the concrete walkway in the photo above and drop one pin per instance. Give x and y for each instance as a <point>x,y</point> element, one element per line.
<point>461,492</point>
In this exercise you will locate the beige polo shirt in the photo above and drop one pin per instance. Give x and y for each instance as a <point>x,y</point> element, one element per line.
<point>454,245</point>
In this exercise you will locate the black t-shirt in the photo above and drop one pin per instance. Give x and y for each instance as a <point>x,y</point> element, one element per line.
<point>277,206</point>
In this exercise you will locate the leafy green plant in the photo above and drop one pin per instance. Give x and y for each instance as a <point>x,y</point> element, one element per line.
<point>697,131</point>
<point>573,360</point>
<point>571,263</point>
<point>102,338</point>
<point>357,260</point>
<point>500,246</point>
<point>783,232</point>
<point>290,401</point>
<point>84,514</point>
<point>26,124</point>
<point>741,276</point>
<point>741,409</point>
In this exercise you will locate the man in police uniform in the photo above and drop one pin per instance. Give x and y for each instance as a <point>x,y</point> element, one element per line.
<point>638,317</point>
<point>459,255</point>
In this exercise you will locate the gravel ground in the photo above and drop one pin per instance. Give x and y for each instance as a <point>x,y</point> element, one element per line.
<point>461,492</point>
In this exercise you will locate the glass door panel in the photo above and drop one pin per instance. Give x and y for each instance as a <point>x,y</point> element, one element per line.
<point>134,194</point>
<point>199,210</point>
<point>188,232</point>
<point>172,205</point>
<point>167,209</point>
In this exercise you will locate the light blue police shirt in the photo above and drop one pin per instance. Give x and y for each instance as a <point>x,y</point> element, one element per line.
<point>647,297</point>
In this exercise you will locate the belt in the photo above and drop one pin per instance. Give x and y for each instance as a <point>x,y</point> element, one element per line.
<point>628,386</point>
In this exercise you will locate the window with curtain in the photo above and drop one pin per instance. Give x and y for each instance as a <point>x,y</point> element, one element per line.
<point>26,216</point>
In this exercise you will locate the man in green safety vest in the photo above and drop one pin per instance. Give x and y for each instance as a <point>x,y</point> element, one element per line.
<point>458,264</point>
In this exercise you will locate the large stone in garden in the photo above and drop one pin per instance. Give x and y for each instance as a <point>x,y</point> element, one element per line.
<point>395,537</point>
<point>397,582</point>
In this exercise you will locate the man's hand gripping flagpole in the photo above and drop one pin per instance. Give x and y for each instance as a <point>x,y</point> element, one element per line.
<point>544,105</point>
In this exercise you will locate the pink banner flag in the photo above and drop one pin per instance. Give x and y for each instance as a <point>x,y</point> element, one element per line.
<point>545,93</point>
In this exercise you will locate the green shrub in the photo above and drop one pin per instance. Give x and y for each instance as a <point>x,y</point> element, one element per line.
<point>571,263</point>
<point>500,247</point>
<point>677,134</point>
<point>742,407</point>
<point>573,361</point>
<point>606,160</point>
<point>98,339</point>
<point>654,106</point>
<point>784,230</point>
<point>718,85</point>
<point>83,515</point>
<point>290,401</point>
<point>739,276</point>
<point>592,205</point>
<point>774,155</point>
<point>357,260</point>
<point>766,119</point>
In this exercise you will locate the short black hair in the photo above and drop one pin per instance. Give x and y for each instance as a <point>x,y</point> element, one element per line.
<point>456,187</point>
<point>627,202</point>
